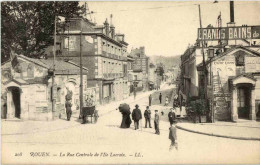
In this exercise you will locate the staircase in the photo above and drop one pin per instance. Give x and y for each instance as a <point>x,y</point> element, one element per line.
<point>218,88</point>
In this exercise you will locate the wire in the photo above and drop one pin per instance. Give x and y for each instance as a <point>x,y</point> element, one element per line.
<point>163,7</point>
<point>150,8</point>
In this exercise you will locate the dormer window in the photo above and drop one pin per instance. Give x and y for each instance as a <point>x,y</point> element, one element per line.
<point>240,60</point>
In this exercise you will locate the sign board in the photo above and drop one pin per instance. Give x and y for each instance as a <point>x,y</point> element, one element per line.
<point>229,33</point>
<point>252,64</point>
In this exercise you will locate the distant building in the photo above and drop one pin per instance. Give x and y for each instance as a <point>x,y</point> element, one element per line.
<point>152,76</point>
<point>141,65</point>
<point>26,88</point>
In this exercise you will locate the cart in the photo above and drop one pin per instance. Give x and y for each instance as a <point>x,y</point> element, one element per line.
<point>89,112</point>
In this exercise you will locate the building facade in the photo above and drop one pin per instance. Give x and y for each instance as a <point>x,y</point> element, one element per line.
<point>234,84</point>
<point>27,92</point>
<point>103,52</point>
<point>141,67</point>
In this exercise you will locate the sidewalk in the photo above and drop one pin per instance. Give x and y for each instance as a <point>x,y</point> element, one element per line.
<point>243,130</point>
<point>18,127</point>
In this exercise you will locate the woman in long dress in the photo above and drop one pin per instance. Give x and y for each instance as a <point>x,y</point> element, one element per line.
<point>126,120</point>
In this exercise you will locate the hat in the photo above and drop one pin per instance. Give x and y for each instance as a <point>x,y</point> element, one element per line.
<point>136,105</point>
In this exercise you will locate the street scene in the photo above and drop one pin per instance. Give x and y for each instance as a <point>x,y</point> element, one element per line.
<point>173,82</point>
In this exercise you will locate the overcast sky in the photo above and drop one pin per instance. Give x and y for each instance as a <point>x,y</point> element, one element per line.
<point>167,28</point>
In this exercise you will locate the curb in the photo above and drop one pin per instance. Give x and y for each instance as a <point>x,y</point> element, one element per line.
<point>218,135</point>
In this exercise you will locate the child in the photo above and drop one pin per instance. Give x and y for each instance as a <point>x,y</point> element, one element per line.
<point>96,116</point>
<point>173,136</point>
<point>156,122</point>
<point>166,101</point>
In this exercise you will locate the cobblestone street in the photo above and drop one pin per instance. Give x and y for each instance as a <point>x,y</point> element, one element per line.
<point>106,136</point>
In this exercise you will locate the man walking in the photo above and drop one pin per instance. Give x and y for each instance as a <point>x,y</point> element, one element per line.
<point>147,115</point>
<point>160,98</point>
<point>150,100</point>
<point>68,106</point>
<point>171,116</point>
<point>173,136</point>
<point>156,122</point>
<point>136,116</point>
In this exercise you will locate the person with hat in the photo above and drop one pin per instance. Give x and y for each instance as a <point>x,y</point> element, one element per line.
<point>68,106</point>
<point>156,122</point>
<point>147,116</point>
<point>171,116</point>
<point>136,116</point>
<point>173,136</point>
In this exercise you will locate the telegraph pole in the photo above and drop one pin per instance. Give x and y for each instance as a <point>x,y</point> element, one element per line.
<point>53,76</point>
<point>204,64</point>
<point>81,77</point>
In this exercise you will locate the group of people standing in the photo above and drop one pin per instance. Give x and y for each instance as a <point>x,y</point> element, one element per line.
<point>137,116</point>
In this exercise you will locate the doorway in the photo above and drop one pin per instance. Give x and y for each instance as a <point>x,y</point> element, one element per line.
<point>15,101</point>
<point>243,101</point>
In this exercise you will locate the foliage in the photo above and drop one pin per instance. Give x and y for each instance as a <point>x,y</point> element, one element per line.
<point>27,27</point>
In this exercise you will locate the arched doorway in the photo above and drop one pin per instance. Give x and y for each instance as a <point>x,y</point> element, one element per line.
<point>14,102</point>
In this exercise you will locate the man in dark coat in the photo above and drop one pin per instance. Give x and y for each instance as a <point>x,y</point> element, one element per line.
<point>173,136</point>
<point>68,106</point>
<point>156,122</point>
<point>150,100</point>
<point>136,116</point>
<point>171,116</point>
<point>147,116</point>
<point>160,98</point>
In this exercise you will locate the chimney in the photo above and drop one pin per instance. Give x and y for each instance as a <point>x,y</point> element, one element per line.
<point>232,12</point>
<point>112,28</point>
<point>106,24</point>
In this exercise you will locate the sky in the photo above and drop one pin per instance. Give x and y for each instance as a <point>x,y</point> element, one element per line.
<point>167,28</point>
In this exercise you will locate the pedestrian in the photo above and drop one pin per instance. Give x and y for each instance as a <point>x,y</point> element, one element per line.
<point>160,98</point>
<point>150,100</point>
<point>173,136</point>
<point>156,122</point>
<point>126,120</point>
<point>166,101</point>
<point>134,93</point>
<point>68,106</point>
<point>96,116</point>
<point>136,116</point>
<point>171,116</point>
<point>147,115</point>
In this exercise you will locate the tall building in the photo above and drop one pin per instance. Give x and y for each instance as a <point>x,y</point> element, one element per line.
<point>104,53</point>
<point>141,67</point>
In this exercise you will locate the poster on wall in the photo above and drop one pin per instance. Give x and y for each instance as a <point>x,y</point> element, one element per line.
<point>252,64</point>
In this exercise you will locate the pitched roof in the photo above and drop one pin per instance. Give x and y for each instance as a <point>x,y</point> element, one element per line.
<point>227,52</point>
<point>63,67</point>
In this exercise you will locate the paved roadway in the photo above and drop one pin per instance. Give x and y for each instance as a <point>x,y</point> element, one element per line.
<point>106,143</point>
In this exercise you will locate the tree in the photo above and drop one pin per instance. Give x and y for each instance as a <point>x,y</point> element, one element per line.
<point>28,27</point>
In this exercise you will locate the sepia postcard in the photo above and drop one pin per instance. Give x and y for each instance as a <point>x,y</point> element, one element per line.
<point>130,82</point>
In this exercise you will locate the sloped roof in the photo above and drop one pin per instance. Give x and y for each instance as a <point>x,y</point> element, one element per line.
<point>227,52</point>
<point>63,67</point>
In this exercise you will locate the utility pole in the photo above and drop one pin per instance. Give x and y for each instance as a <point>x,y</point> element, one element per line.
<point>53,76</point>
<point>81,77</point>
<point>204,64</point>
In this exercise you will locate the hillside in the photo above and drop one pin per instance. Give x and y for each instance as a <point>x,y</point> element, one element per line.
<point>169,62</point>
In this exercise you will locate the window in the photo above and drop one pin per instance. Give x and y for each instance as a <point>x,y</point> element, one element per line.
<point>240,60</point>
<point>241,97</point>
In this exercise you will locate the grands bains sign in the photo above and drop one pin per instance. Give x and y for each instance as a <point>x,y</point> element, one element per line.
<point>229,33</point>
